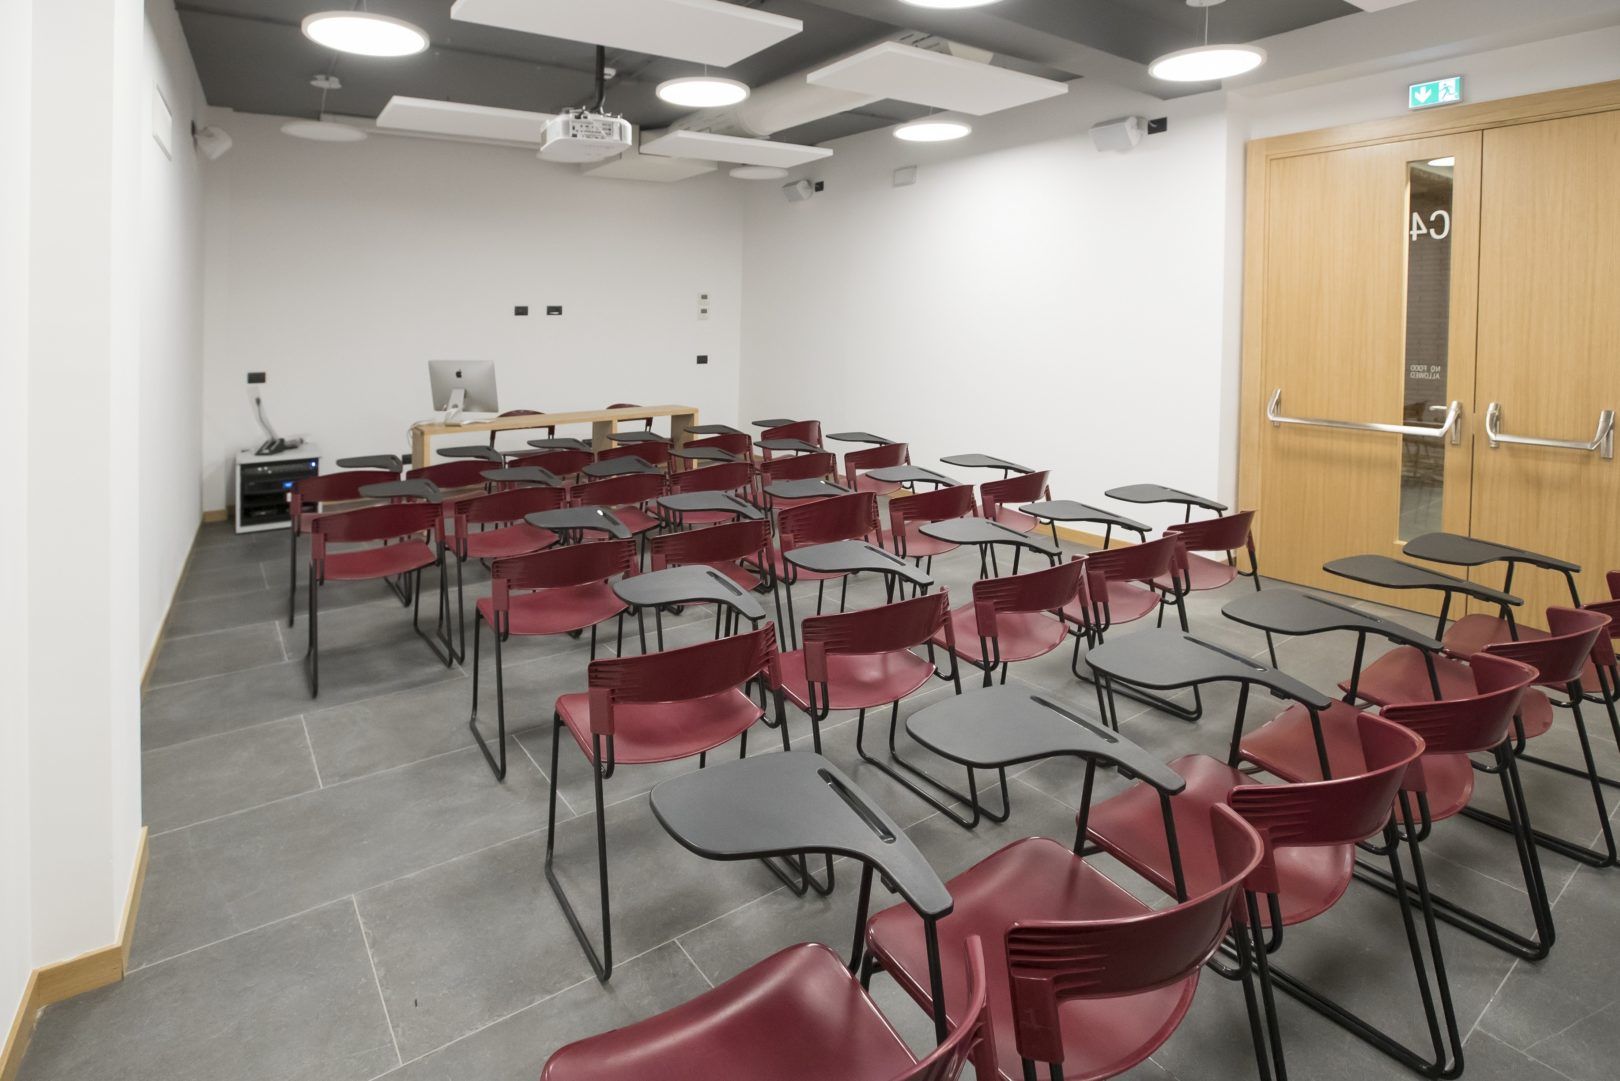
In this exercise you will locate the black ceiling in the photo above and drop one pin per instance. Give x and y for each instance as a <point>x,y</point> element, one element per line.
<point>252,57</point>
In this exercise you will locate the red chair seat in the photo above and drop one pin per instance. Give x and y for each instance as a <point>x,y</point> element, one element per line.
<point>1022,635</point>
<point>858,680</point>
<point>921,545</point>
<point>1032,880</point>
<point>635,519</point>
<point>557,611</point>
<point>664,731</point>
<point>798,1015</point>
<point>384,561</point>
<point>1286,748</point>
<point>1127,602</point>
<point>1202,573</point>
<point>864,483</point>
<point>704,517</point>
<point>1130,826</point>
<point>1402,676</point>
<point>512,540</point>
<point>1015,519</point>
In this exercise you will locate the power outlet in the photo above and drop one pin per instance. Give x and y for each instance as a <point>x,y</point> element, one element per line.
<point>520,309</point>
<point>703,358</point>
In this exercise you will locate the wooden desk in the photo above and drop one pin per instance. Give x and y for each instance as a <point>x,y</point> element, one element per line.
<point>602,422</point>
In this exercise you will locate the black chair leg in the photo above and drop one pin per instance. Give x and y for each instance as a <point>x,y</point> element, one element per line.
<point>313,656</point>
<point>497,763</point>
<point>601,964</point>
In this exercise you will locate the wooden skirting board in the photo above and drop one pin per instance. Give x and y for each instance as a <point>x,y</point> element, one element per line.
<point>65,979</point>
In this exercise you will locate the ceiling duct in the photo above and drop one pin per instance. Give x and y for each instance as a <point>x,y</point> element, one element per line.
<point>791,101</point>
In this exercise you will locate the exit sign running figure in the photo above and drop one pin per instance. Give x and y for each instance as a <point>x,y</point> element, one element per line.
<point>1447,91</point>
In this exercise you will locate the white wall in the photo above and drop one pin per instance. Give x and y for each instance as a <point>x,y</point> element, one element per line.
<point>171,375</point>
<point>16,84</point>
<point>1028,297</point>
<point>1033,298</point>
<point>341,269</point>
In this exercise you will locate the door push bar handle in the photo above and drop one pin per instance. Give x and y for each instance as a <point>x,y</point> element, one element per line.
<point>1452,426</point>
<point>1602,442</point>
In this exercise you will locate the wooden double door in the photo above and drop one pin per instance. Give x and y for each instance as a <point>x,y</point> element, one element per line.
<point>1407,297</point>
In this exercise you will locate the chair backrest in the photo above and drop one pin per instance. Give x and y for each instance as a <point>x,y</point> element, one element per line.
<point>504,507</point>
<point>463,473</point>
<point>631,405</point>
<point>1341,811</point>
<point>839,517</point>
<point>651,453</point>
<point>618,491</point>
<point>388,521</point>
<point>887,628</point>
<point>564,463</point>
<point>736,443</point>
<point>1560,657</point>
<point>1613,580</point>
<point>1011,491</point>
<point>1050,962</point>
<point>336,487</point>
<point>800,467</point>
<point>1603,649</point>
<point>1130,563</point>
<point>1044,590</point>
<point>555,568</point>
<point>724,543</point>
<point>1227,534</point>
<point>807,430</point>
<point>971,1039</point>
<point>1469,725</point>
<point>937,505</point>
<point>879,457</point>
<point>722,477</point>
<point>680,675</point>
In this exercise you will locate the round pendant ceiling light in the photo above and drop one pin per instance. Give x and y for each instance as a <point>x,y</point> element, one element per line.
<point>702,91</point>
<point>1206,63</point>
<point>322,131</point>
<point>364,34</point>
<point>932,131</point>
<point>758,172</point>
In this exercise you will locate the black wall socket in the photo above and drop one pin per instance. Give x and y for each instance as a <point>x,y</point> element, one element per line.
<point>521,309</point>
<point>703,358</point>
<point>553,309</point>
<point>255,377</point>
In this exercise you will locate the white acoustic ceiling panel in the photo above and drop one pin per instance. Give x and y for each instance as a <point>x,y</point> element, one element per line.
<point>427,117</point>
<point>706,146</point>
<point>923,77</point>
<point>636,166</point>
<point>702,31</point>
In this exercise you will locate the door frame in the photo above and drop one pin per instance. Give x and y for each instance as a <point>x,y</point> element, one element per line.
<point>1450,120</point>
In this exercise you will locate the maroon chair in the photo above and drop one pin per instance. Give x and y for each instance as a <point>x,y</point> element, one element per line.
<point>1121,586</point>
<point>822,465</point>
<point>1232,533</point>
<point>1002,498</point>
<point>660,707</point>
<point>734,477</point>
<point>1311,831</point>
<point>857,463</point>
<point>738,550</point>
<point>735,443</point>
<point>798,1015</point>
<point>630,497</point>
<point>304,505</point>
<point>807,430</point>
<point>1081,974</point>
<point>1560,660</point>
<point>1017,618</point>
<point>562,463</point>
<point>907,517</point>
<point>631,405</point>
<point>822,521</point>
<point>460,476</point>
<point>863,660</point>
<point>550,429</point>
<point>554,591</point>
<point>1452,729</point>
<point>402,539</point>
<point>510,535</point>
<point>655,454</point>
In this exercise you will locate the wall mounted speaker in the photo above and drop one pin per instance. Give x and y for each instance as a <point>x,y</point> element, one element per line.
<point>798,191</point>
<point>1121,134</point>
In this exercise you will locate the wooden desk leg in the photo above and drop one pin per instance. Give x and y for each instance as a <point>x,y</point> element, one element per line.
<point>419,448</point>
<point>678,424</point>
<point>600,430</point>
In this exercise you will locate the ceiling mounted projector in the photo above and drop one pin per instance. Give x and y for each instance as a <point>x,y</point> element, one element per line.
<point>579,135</point>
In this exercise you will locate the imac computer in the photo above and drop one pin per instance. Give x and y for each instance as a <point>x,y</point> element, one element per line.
<point>462,387</point>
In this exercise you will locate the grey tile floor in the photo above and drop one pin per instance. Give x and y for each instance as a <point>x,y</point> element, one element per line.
<point>339,889</point>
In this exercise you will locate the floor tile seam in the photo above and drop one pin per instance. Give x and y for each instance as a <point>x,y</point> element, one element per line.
<point>376,981</point>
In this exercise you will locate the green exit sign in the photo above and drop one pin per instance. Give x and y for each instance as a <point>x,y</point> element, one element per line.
<point>1447,91</point>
